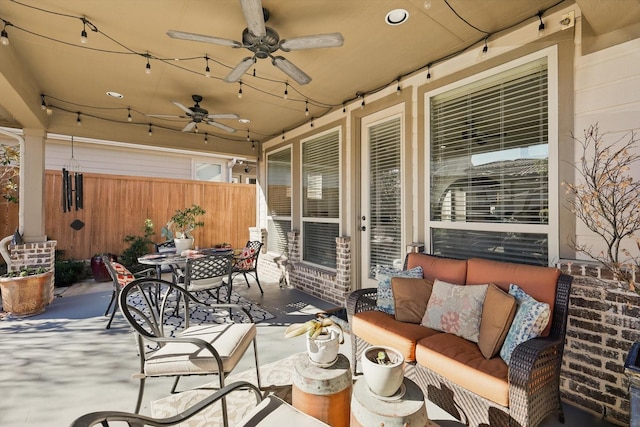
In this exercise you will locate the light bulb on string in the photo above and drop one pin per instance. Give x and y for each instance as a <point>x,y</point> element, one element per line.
<point>195,128</point>
<point>485,48</point>
<point>207,70</point>
<point>240,91</point>
<point>206,138</point>
<point>43,104</point>
<point>344,108</point>
<point>306,108</point>
<point>253,145</point>
<point>286,91</point>
<point>428,73</point>
<point>311,123</point>
<point>150,130</point>
<point>398,88</point>
<point>83,33</point>
<point>541,26</point>
<point>129,118</point>
<point>148,67</point>
<point>4,36</point>
<point>248,135</point>
<point>283,134</point>
<point>78,121</point>
<point>362,103</point>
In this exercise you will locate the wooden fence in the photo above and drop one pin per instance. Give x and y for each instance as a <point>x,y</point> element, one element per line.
<point>116,206</point>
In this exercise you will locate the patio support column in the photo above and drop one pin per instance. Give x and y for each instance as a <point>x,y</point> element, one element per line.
<point>32,178</point>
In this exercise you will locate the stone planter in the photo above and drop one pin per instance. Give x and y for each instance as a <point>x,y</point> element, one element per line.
<point>28,295</point>
<point>323,350</point>
<point>383,379</point>
<point>183,244</point>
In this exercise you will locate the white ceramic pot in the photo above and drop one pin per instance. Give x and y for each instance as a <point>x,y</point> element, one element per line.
<point>383,380</point>
<point>183,244</point>
<point>323,350</point>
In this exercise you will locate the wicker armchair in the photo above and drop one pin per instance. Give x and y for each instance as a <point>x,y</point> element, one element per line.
<point>534,372</point>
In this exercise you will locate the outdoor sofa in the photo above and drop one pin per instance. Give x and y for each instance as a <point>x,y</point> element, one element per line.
<point>470,380</point>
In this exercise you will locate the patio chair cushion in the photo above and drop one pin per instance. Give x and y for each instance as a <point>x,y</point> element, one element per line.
<point>245,261</point>
<point>273,411</point>
<point>229,340</point>
<point>124,275</point>
<point>208,283</point>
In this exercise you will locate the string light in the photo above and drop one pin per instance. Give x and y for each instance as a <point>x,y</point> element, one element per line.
<point>286,90</point>
<point>78,121</point>
<point>240,91</point>
<point>43,104</point>
<point>311,123</point>
<point>306,108</point>
<point>541,26</point>
<point>129,118</point>
<point>485,48</point>
<point>83,33</point>
<point>150,130</point>
<point>148,68</point>
<point>428,73</point>
<point>362,103</point>
<point>4,36</point>
<point>248,136</point>
<point>253,145</point>
<point>195,128</point>
<point>283,134</point>
<point>206,138</point>
<point>398,88</point>
<point>344,108</point>
<point>207,71</point>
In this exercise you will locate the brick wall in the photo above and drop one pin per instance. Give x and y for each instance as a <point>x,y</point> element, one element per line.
<point>603,323</point>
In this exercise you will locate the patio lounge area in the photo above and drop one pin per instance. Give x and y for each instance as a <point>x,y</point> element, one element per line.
<point>65,363</point>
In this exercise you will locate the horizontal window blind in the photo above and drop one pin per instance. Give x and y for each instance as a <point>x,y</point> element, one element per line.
<point>384,194</point>
<point>321,198</point>
<point>279,183</point>
<point>489,157</point>
<point>277,235</point>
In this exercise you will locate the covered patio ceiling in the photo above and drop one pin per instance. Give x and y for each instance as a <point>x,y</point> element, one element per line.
<point>46,63</point>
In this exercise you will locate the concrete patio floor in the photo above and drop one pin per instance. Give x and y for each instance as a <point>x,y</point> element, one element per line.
<point>63,363</point>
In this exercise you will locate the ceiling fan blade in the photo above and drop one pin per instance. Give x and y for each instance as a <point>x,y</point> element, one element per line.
<point>183,108</point>
<point>252,10</point>
<point>223,116</point>
<point>291,70</point>
<point>166,116</point>
<point>202,38</point>
<point>241,68</point>
<point>221,126</point>
<point>312,42</point>
<point>189,127</point>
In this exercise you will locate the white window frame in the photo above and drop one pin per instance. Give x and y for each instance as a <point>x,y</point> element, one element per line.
<point>551,229</point>
<point>304,219</point>
<point>202,161</point>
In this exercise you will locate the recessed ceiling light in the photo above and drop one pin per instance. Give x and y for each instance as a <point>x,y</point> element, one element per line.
<point>244,121</point>
<point>115,94</point>
<point>396,17</point>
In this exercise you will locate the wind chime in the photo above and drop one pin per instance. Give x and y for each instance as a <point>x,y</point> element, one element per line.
<point>72,184</point>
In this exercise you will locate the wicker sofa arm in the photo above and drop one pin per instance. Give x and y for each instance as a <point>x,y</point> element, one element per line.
<point>362,300</point>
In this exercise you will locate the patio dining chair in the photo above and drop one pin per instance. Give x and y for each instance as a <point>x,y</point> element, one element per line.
<point>246,262</point>
<point>120,276</point>
<point>209,273</point>
<point>167,247</point>
<point>270,411</point>
<point>203,339</point>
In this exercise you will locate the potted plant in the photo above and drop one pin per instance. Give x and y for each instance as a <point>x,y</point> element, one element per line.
<point>383,370</point>
<point>324,337</point>
<point>27,291</point>
<point>181,224</point>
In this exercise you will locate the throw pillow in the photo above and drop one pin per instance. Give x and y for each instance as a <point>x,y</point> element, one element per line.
<point>410,298</point>
<point>497,315</point>
<point>245,262</point>
<point>456,309</point>
<point>530,320</point>
<point>124,276</point>
<point>385,294</point>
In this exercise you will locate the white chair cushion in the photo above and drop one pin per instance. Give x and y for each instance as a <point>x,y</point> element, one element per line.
<point>229,340</point>
<point>208,283</point>
<point>273,411</point>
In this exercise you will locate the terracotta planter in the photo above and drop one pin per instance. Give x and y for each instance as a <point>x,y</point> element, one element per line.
<point>28,295</point>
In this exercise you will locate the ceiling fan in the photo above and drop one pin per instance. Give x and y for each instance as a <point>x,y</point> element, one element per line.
<point>198,114</point>
<point>264,41</point>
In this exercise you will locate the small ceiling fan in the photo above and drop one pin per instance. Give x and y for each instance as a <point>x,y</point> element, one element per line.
<point>264,41</point>
<point>197,115</point>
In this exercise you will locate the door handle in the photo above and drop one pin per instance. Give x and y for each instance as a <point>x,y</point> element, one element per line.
<point>363,228</point>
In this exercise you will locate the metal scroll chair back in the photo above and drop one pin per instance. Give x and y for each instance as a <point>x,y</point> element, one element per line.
<point>247,262</point>
<point>209,273</point>
<point>164,247</point>
<point>176,341</point>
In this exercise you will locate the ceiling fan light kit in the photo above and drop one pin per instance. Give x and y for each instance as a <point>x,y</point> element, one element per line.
<point>264,41</point>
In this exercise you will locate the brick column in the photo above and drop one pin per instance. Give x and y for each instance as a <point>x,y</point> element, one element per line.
<point>343,265</point>
<point>34,255</point>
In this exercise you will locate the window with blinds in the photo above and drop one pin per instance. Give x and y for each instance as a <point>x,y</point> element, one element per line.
<point>489,165</point>
<point>278,200</point>
<point>384,194</point>
<point>321,198</point>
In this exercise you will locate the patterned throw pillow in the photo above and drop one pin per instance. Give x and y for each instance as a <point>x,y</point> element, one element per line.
<point>455,309</point>
<point>530,320</point>
<point>385,294</point>
<point>245,262</point>
<point>124,275</point>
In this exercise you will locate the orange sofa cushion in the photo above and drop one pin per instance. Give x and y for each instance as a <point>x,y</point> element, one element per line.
<point>539,282</point>
<point>446,269</point>
<point>461,362</point>
<point>378,328</point>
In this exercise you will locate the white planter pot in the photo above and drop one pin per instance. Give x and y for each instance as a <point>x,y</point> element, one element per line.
<point>383,380</point>
<point>323,350</point>
<point>183,244</point>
